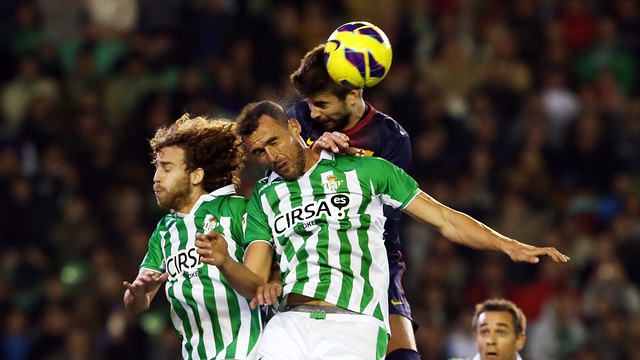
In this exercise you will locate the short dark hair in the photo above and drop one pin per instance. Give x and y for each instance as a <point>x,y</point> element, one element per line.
<point>210,144</point>
<point>312,76</point>
<point>519,320</point>
<point>250,115</point>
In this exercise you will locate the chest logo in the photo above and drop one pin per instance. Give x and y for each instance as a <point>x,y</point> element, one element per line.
<point>210,223</point>
<point>363,152</point>
<point>331,183</point>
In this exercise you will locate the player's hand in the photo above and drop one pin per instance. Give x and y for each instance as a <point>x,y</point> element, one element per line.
<point>267,294</point>
<point>531,254</point>
<point>145,282</point>
<point>212,248</point>
<point>336,142</point>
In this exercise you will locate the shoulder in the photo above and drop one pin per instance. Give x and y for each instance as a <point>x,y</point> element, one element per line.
<point>389,125</point>
<point>235,200</point>
<point>221,202</point>
<point>164,224</point>
<point>263,185</point>
<point>368,160</point>
<point>384,126</point>
<point>300,111</point>
<point>371,164</point>
<point>164,221</point>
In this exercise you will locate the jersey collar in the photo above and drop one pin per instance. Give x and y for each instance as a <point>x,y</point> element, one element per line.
<point>225,190</point>
<point>366,117</point>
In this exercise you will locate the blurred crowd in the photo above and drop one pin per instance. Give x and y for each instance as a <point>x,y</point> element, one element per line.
<point>524,114</point>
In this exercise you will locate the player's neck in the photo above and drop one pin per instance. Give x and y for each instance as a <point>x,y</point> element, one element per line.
<point>311,158</point>
<point>191,200</point>
<point>356,114</point>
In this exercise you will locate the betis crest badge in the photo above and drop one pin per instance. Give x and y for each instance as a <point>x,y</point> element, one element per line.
<point>210,223</point>
<point>331,183</point>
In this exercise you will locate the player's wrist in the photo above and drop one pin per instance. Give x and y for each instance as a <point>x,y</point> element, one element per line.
<point>225,263</point>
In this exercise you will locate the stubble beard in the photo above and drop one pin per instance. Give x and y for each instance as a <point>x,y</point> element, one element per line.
<point>296,168</point>
<point>336,125</point>
<point>177,197</point>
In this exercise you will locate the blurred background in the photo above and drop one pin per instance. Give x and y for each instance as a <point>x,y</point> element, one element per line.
<point>525,114</point>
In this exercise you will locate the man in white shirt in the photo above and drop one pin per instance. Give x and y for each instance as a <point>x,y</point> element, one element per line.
<point>500,328</point>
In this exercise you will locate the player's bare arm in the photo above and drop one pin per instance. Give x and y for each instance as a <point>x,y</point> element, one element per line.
<point>245,277</point>
<point>142,290</point>
<point>463,229</point>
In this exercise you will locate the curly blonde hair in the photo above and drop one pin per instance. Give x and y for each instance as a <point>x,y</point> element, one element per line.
<point>208,143</point>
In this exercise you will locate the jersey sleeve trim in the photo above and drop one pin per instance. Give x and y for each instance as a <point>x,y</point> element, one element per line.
<point>158,270</point>
<point>255,241</point>
<point>417,191</point>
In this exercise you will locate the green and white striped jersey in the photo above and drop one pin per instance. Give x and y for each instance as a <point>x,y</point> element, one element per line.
<point>212,320</point>
<point>327,228</point>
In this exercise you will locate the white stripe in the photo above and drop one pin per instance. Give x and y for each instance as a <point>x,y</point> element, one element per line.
<point>353,184</point>
<point>284,203</point>
<point>311,244</point>
<point>177,291</point>
<point>163,242</point>
<point>244,334</point>
<point>175,319</point>
<point>232,246</point>
<point>334,248</point>
<point>198,292</point>
<point>379,271</point>
<point>245,311</point>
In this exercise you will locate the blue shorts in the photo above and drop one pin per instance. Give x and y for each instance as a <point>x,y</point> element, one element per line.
<point>398,303</point>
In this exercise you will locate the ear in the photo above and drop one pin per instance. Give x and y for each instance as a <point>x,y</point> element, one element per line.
<point>197,176</point>
<point>520,340</point>
<point>294,127</point>
<point>353,96</point>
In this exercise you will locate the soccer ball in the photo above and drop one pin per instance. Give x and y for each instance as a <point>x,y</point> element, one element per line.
<point>358,55</point>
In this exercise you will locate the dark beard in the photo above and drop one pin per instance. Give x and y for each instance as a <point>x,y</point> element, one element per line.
<point>337,125</point>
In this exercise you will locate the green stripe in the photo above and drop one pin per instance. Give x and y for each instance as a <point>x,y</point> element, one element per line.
<point>256,329</point>
<point>363,238</point>
<point>182,314</point>
<point>234,308</point>
<point>209,294</point>
<point>382,343</point>
<point>345,264</point>
<point>322,248</point>
<point>377,313</point>
<point>302,269</point>
<point>368,290</point>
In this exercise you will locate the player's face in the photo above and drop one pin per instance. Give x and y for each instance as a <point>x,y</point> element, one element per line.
<point>278,147</point>
<point>329,111</point>
<point>171,183</point>
<point>496,337</point>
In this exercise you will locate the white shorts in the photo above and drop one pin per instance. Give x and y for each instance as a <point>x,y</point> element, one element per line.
<point>294,335</point>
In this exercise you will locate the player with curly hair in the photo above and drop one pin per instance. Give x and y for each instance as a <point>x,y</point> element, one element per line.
<point>197,163</point>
